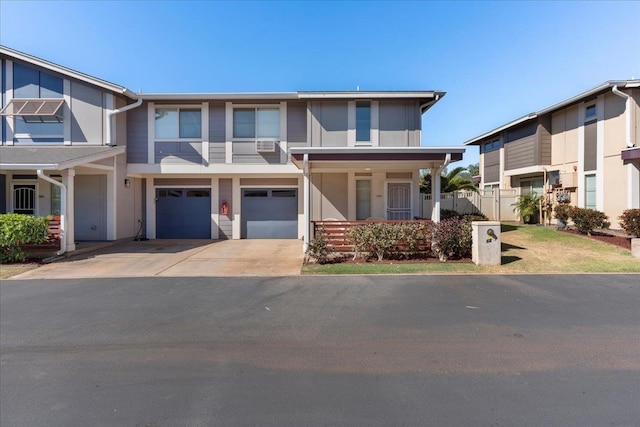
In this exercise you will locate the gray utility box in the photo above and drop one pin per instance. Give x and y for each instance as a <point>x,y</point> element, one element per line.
<point>486,242</point>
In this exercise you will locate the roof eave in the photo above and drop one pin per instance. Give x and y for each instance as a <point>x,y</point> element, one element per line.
<point>69,72</point>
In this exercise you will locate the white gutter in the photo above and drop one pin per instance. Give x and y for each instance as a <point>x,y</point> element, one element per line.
<point>627,107</point>
<point>112,113</point>
<point>307,203</point>
<point>63,209</point>
<point>424,107</point>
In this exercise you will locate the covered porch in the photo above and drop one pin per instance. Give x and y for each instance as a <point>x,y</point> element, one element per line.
<point>82,187</point>
<point>368,183</point>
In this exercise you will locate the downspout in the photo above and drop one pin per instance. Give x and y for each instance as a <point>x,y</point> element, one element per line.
<point>627,107</point>
<point>112,113</point>
<point>435,214</point>
<point>63,209</point>
<point>428,104</point>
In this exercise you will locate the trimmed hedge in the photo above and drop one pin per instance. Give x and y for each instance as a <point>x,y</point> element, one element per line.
<point>385,240</point>
<point>17,230</point>
<point>452,238</point>
<point>587,220</point>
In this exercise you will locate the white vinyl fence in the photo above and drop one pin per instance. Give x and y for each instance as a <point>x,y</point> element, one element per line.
<point>495,204</point>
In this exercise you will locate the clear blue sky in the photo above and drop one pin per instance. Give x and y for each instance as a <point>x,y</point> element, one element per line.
<point>496,60</point>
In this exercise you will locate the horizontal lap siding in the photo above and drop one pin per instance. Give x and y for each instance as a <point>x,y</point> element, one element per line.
<point>178,152</point>
<point>245,152</point>
<point>491,171</point>
<point>137,135</point>
<point>225,189</point>
<point>216,132</point>
<point>520,153</point>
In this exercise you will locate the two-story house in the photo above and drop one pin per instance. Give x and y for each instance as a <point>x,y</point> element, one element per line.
<point>212,165</point>
<point>63,149</point>
<point>586,147</point>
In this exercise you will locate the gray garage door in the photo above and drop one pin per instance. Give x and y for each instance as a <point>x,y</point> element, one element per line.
<point>269,213</point>
<point>183,213</point>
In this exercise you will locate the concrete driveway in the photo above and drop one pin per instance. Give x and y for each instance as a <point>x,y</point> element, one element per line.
<point>180,258</point>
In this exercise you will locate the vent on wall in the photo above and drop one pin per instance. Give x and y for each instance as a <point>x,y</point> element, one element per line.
<point>265,145</point>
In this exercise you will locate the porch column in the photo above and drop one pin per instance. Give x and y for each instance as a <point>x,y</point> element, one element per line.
<point>68,180</point>
<point>307,204</point>
<point>435,194</point>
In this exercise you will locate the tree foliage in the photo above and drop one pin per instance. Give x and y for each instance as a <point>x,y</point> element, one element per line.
<point>458,179</point>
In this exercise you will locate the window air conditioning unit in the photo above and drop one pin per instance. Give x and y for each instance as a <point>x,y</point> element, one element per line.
<point>265,145</point>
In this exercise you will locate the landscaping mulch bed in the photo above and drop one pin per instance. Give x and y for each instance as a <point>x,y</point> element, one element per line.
<point>623,242</point>
<point>348,259</point>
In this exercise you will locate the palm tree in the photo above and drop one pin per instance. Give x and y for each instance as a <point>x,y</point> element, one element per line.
<point>455,180</point>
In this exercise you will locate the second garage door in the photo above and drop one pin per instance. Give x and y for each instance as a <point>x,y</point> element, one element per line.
<point>269,213</point>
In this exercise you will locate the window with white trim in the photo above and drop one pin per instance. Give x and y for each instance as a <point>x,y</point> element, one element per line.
<point>363,122</point>
<point>256,123</point>
<point>590,191</point>
<point>363,198</point>
<point>174,123</point>
<point>29,85</point>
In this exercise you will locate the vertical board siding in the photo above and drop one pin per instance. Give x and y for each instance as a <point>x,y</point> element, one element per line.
<point>297,122</point>
<point>399,123</point>
<point>137,135</point>
<point>86,114</point>
<point>225,222</point>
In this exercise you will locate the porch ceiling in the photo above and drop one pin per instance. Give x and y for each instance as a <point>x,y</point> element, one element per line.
<point>375,157</point>
<point>54,158</point>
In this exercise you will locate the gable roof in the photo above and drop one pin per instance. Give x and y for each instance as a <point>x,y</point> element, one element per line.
<point>67,72</point>
<point>569,101</point>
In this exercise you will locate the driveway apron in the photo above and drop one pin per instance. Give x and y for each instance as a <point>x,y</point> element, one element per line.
<point>180,258</point>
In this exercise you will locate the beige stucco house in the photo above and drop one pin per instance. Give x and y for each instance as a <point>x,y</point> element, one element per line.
<point>587,146</point>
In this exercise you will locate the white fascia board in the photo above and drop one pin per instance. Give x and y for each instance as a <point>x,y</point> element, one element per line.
<point>213,169</point>
<point>80,161</point>
<point>525,171</point>
<point>68,72</point>
<point>371,95</point>
<point>217,96</point>
<point>29,166</point>
<point>376,150</point>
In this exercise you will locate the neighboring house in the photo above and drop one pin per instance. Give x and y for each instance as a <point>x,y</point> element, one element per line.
<point>214,165</point>
<point>587,146</point>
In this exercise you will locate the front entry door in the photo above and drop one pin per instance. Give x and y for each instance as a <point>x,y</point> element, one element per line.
<point>399,200</point>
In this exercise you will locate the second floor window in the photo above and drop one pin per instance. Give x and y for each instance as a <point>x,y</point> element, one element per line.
<point>490,146</point>
<point>590,112</point>
<point>178,123</point>
<point>256,123</point>
<point>363,121</point>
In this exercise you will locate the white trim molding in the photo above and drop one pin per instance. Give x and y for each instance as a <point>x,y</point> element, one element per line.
<point>600,153</point>
<point>151,134</point>
<point>204,132</point>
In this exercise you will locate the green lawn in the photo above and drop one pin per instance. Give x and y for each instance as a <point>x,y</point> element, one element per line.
<point>525,249</point>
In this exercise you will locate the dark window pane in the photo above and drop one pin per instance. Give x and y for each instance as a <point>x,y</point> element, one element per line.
<point>255,193</point>
<point>283,193</point>
<point>198,193</point>
<point>244,123</point>
<point>190,124</point>
<point>363,121</point>
<point>25,82</point>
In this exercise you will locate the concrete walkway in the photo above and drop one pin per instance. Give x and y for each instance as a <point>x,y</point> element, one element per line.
<point>180,258</point>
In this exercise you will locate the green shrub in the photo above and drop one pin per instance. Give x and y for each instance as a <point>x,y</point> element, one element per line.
<point>528,207</point>
<point>562,212</point>
<point>319,248</point>
<point>416,237</point>
<point>17,230</point>
<point>630,221</point>
<point>475,217</point>
<point>587,220</point>
<point>385,240</point>
<point>452,238</point>
<point>448,214</point>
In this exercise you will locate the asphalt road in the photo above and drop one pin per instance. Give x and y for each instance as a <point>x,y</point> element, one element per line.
<point>306,351</point>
